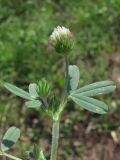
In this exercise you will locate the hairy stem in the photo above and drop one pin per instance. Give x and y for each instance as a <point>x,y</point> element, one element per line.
<point>9,156</point>
<point>55,137</point>
<point>66,75</point>
<point>65,95</point>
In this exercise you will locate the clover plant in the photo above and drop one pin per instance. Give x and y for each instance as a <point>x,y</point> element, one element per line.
<point>40,96</point>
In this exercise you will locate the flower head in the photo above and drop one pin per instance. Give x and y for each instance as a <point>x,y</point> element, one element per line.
<point>61,39</point>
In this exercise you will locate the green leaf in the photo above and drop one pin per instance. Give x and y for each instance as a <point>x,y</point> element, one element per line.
<point>90,104</point>
<point>74,75</point>
<point>42,157</point>
<point>35,104</point>
<point>17,91</point>
<point>32,90</point>
<point>36,152</point>
<point>43,87</point>
<point>97,88</point>
<point>10,138</point>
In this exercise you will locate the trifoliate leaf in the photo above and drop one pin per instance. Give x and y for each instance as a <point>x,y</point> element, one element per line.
<point>17,91</point>
<point>10,138</point>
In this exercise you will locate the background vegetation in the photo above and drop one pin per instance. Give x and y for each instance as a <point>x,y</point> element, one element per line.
<point>25,57</point>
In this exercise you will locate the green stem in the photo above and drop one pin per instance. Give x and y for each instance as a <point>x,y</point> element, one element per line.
<point>55,137</point>
<point>66,75</point>
<point>9,156</point>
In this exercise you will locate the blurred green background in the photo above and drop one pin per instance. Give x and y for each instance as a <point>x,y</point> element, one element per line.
<point>25,56</point>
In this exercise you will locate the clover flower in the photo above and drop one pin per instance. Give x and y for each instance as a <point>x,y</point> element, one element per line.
<point>61,39</point>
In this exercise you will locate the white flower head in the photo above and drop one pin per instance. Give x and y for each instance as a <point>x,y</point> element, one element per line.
<point>61,39</point>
